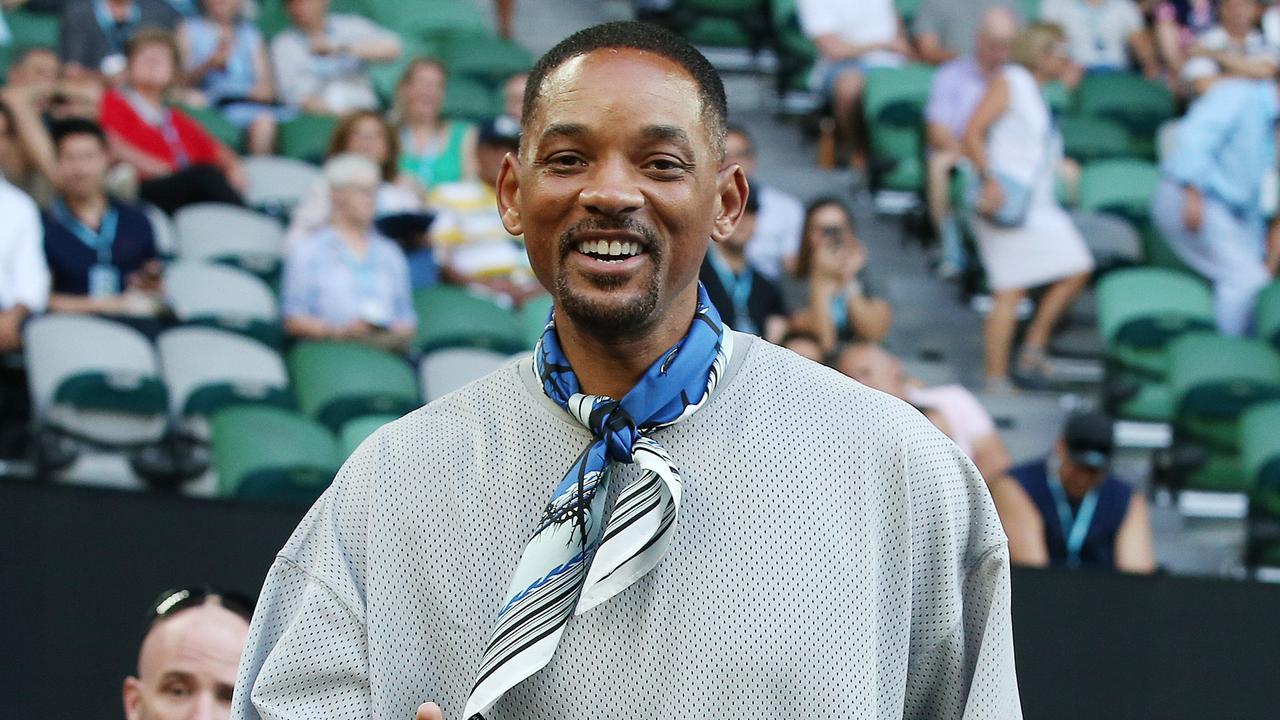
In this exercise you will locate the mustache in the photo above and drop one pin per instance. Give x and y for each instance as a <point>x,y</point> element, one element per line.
<point>569,238</point>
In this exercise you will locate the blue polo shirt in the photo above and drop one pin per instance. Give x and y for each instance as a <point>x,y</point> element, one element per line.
<point>70,258</point>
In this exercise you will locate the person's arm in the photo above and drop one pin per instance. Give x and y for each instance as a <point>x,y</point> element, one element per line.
<point>816,316</point>
<point>370,42</point>
<point>1201,132</point>
<point>196,72</point>
<point>122,151</point>
<point>84,304</point>
<point>264,91</point>
<point>870,317</point>
<point>1021,522</point>
<point>929,48</point>
<point>939,137</point>
<point>1142,47</point>
<point>1273,248</point>
<point>1135,552</point>
<point>994,103</point>
<point>991,456</point>
<point>306,327</point>
<point>296,82</point>
<point>1256,67</point>
<point>29,127</point>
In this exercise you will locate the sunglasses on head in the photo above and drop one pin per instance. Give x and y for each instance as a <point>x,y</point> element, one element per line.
<point>172,602</point>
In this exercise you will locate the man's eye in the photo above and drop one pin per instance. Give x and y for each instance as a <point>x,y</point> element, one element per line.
<point>565,161</point>
<point>176,690</point>
<point>667,167</point>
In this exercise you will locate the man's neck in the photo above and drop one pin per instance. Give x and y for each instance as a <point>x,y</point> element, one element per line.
<point>88,209</point>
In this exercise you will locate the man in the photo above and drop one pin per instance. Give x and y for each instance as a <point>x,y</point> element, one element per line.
<point>472,247</point>
<point>784,574</point>
<point>321,63</point>
<point>952,408</point>
<point>776,240</point>
<point>24,278</point>
<point>1235,47</point>
<point>851,38</point>
<point>1102,33</point>
<point>101,252</point>
<point>1208,204</point>
<point>1068,511</point>
<point>953,96</point>
<point>94,33</point>
<point>944,30</point>
<point>187,663</point>
<point>747,300</point>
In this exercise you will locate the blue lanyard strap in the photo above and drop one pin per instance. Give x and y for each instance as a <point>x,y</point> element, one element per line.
<point>1079,526</point>
<point>117,34</point>
<point>739,289</point>
<point>100,241</point>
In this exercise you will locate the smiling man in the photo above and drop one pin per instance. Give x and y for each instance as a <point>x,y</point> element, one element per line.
<point>654,516</point>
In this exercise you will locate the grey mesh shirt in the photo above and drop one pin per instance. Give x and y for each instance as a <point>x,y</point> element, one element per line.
<point>835,557</point>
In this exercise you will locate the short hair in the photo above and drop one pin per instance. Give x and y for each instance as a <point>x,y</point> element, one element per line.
<point>804,256</point>
<point>1033,42</point>
<point>738,129</point>
<point>71,127</point>
<point>348,169</point>
<point>347,125</point>
<point>7,114</point>
<point>155,36</point>
<point>648,38</point>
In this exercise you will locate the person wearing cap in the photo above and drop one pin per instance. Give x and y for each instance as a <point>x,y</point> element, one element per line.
<point>1067,510</point>
<point>472,248</point>
<point>188,659</point>
<point>348,282</point>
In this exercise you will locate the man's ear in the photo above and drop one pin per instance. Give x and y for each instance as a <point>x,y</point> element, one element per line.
<point>731,185</point>
<point>509,194</point>
<point>132,697</point>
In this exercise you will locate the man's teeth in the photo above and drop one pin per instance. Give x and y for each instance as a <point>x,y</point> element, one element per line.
<point>606,247</point>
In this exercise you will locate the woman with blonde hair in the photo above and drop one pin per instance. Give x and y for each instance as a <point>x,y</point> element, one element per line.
<point>432,150</point>
<point>1025,238</point>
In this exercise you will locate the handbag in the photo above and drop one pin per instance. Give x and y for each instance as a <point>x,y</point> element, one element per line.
<point>1015,202</point>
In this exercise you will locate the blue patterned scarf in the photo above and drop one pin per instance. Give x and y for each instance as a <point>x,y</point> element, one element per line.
<point>574,561</point>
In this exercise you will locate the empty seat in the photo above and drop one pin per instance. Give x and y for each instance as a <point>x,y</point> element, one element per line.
<point>1266,315</point>
<point>207,370</point>
<point>162,228</point>
<point>893,103</point>
<point>1121,187</point>
<point>278,182</point>
<point>271,454</point>
<point>335,382</point>
<point>306,137</point>
<point>452,317</point>
<point>355,431</point>
<point>230,234</point>
<point>448,369</point>
<point>202,293</point>
<point>1260,455</point>
<point>1138,104</point>
<point>1086,138</point>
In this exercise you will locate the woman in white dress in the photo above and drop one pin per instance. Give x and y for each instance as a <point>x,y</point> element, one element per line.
<point>1013,142</point>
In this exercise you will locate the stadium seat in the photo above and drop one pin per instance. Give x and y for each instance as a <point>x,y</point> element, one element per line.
<point>1131,100</point>
<point>1086,139</point>
<point>355,431</point>
<point>269,454</point>
<point>1140,312</point>
<point>306,137</point>
<point>217,125</point>
<point>272,16</point>
<point>162,228</point>
<point>533,318</point>
<point>225,297</point>
<point>31,29</point>
<point>1057,96</point>
<point>467,99</point>
<point>452,317</point>
<point>1122,187</point>
<point>484,58</point>
<point>1266,316</point>
<point>208,370</point>
<point>1214,379</point>
<point>893,103</point>
<point>1113,240</point>
<point>95,380</point>
<point>795,51</point>
<point>448,369</point>
<point>278,182</point>
<point>230,234</point>
<point>1260,455</point>
<point>336,381</point>
<point>740,24</point>
<point>433,21</point>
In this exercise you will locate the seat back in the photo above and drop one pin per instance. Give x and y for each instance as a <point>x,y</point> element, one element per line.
<point>231,234</point>
<point>893,103</point>
<point>204,293</point>
<point>335,382</point>
<point>1266,314</point>
<point>270,454</point>
<point>1122,187</point>
<point>278,182</point>
<point>1086,138</point>
<point>452,317</point>
<point>207,370</point>
<point>448,369</point>
<point>355,431</point>
<point>1260,455</point>
<point>1131,100</point>
<point>306,137</point>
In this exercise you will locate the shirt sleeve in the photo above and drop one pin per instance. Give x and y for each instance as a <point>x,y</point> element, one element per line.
<point>1206,126</point>
<point>295,81</point>
<point>30,271</point>
<point>941,96</point>
<point>295,290</point>
<point>1130,19</point>
<point>402,309</point>
<point>815,18</point>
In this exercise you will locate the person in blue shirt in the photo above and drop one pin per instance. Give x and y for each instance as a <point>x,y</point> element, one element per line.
<point>347,282</point>
<point>101,252</point>
<point>1067,510</point>
<point>745,298</point>
<point>1208,204</point>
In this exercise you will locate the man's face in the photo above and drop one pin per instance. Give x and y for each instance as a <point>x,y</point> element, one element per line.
<point>187,667</point>
<point>874,367</point>
<point>356,203</point>
<point>307,13</point>
<point>993,44</point>
<point>1077,479</point>
<point>617,157</point>
<point>82,166</point>
<point>737,149</point>
<point>38,68</point>
<point>1238,16</point>
<point>152,67</point>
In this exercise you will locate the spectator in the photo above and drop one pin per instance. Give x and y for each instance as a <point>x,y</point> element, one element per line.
<point>432,150</point>
<point>1208,204</point>
<point>952,408</point>
<point>805,344</point>
<point>1176,24</point>
<point>1235,48</point>
<point>746,299</point>
<point>225,58</point>
<point>24,277</point>
<point>364,133</point>
<point>1015,147</point>
<point>347,282</point>
<point>177,160</point>
<point>776,239</point>
<point>513,96</point>
<point>851,38</point>
<point>1068,510</point>
<point>94,34</point>
<point>1102,33</point>
<point>188,659</point>
<point>101,252</point>
<point>944,30</point>
<point>471,245</point>
<point>953,96</point>
<point>832,293</point>
<point>322,61</point>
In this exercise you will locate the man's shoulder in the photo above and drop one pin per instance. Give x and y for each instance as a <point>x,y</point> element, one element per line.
<point>13,199</point>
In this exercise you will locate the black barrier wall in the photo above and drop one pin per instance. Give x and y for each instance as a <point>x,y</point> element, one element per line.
<point>78,568</point>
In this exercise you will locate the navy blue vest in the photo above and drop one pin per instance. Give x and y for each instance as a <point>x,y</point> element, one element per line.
<point>1099,550</point>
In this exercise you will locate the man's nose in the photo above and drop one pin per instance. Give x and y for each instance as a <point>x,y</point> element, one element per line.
<point>204,707</point>
<point>612,189</point>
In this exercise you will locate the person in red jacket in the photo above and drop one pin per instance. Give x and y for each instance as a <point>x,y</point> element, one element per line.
<point>178,162</point>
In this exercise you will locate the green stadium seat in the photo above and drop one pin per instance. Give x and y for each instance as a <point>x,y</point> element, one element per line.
<point>31,29</point>
<point>533,318</point>
<point>467,99</point>
<point>1086,139</point>
<point>487,59</point>
<point>1140,312</point>
<point>1260,455</point>
<point>452,317</point>
<point>906,10</point>
<point>306,137</point>
<point>1131,100</point>
<point>795,51</point>
<point>336,381</point>
<point>893,103</point>
<point>217,125</point>
<point>1057,96</point>
<point>723,23</point>
<point>1266,314</point>
<point>271,454</point>
<point>272,16</point>
<point>1122,187</point>
<point>355,431</point>
<point>1214,380</point>
<point>431,20</point>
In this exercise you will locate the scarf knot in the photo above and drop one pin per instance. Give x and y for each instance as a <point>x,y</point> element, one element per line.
<point>612,424</point>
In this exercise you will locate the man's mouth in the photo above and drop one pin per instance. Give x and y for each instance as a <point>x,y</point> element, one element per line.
<point>610,251</point>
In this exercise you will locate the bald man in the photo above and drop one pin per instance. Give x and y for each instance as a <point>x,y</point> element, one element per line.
<point>187,664</point>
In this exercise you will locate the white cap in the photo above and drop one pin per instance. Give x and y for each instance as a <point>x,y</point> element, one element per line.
<point>350,169</point>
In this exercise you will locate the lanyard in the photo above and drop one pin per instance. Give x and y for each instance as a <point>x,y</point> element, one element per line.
<point>100,241</point>
<point>1079,527</point>
<point>169,129</point>
<point>117,34</point>
<point>425,162</point>
<point>739,289</point>
<point>363,271</point>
